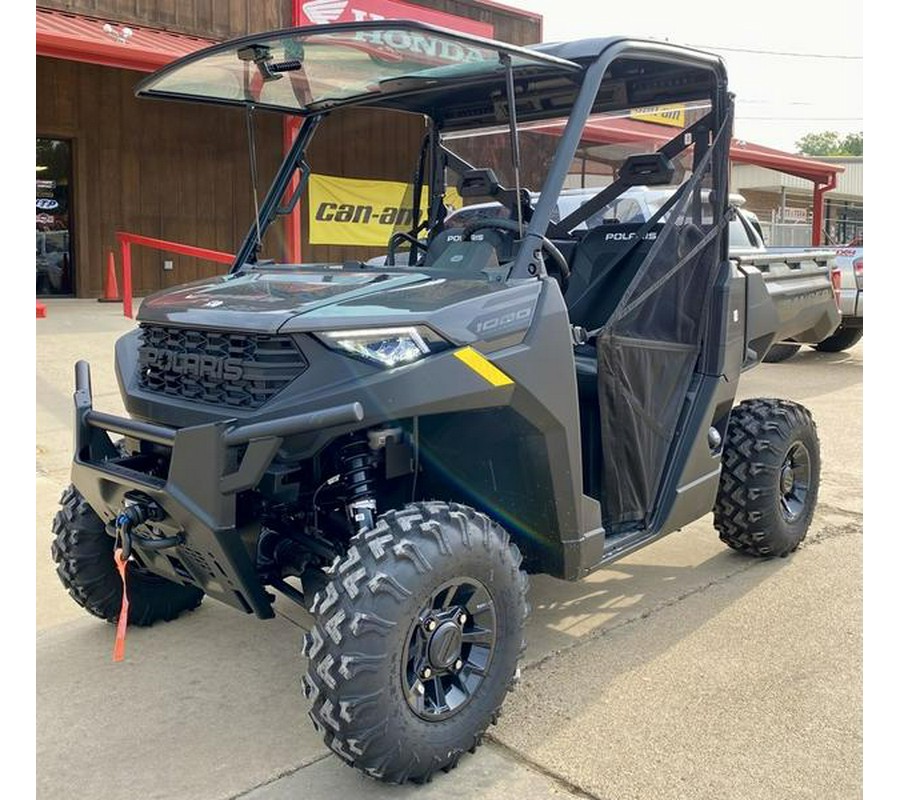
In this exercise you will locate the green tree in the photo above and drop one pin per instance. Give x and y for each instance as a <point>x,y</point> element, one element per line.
<point>830,143</point>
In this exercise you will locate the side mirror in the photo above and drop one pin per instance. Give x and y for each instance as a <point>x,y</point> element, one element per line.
<point>478,183</point>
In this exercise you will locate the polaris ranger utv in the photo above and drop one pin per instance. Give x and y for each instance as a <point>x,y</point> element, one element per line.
<point>397,446</point>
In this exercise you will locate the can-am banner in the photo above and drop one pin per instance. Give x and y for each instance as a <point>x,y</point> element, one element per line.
<point>326,12</point>
<point>349,211</point>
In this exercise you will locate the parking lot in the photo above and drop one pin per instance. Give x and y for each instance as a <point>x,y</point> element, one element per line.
<point>685,670</point>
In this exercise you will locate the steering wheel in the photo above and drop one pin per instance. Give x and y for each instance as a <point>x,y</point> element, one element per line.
<point>562,273</point>
<point>396,239</point>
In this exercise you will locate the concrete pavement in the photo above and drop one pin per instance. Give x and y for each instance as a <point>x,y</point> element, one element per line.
<point>684,670</point>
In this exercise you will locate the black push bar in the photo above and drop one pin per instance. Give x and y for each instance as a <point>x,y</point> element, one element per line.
<point>234,435</point>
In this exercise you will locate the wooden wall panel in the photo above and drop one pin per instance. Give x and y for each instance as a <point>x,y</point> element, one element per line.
<point>508,25</point>
<point>221,19</point>
<point>169,170</point>
<point>214,19</point>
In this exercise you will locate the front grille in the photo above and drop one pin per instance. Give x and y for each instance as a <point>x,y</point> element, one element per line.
<point>239,370</point>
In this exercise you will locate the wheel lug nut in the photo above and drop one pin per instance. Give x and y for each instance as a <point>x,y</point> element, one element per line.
<point>430,625</point>
<point>426,673</point>
<point>458,665</point>
<point>462,619</point>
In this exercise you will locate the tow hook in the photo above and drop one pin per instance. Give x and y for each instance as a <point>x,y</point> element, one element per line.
<point>135,513</point>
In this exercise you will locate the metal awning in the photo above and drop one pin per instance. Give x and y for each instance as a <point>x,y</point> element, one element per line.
<point>75,37</point>
<point>631,131</point>
<point>621,131</point>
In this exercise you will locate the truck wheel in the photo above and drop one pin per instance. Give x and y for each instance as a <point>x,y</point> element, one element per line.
<point>417,640</point>
<point>841,339</point>
<point>83,553</point>
<point>770,478</point>
<point>780,352</point>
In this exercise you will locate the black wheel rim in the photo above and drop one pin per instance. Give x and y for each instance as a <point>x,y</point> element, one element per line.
<point>793,482</point>
<point>449,649</point>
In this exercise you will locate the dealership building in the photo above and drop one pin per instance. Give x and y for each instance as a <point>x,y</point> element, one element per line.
<point>112,168</point>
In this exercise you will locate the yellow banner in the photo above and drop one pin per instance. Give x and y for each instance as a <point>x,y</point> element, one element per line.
<point>350,211</point>
<point>662,115</point>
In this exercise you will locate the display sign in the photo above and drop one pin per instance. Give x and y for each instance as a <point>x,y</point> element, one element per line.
<point>673,114</point>
<point>364,213</point>
<point>326,12</point>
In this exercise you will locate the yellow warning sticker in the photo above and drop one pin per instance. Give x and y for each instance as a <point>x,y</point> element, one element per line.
<point>477,362</point>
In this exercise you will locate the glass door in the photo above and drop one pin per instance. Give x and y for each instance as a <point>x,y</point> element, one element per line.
<point>55,262</point>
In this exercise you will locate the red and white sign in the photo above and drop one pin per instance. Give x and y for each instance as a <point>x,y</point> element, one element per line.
<point>326,12</point>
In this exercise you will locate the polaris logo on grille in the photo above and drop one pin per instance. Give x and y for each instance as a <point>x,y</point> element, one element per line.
<point>192,365</point>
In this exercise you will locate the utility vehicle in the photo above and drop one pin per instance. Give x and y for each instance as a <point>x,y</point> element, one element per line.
<point>396,447</point>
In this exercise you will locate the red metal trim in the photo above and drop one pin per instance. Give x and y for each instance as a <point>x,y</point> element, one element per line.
<point>65,47</point>
<point>127,239</point>
<point>75,37</point>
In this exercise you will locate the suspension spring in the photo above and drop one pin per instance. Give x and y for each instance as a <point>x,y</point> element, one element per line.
<point>358,481</point>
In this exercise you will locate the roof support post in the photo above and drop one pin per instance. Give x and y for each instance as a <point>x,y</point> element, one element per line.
<point>819,190</point>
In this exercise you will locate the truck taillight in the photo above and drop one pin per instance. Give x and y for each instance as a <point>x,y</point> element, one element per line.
<point>857,271</point>
<point>836,284</point>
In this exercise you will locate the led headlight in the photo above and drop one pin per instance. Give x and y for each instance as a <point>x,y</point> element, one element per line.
<point>387,347</point>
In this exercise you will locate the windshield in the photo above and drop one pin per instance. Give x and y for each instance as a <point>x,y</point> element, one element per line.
<point>308,68</point>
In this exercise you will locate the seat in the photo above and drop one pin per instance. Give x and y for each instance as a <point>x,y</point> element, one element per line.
<point>599,279</point>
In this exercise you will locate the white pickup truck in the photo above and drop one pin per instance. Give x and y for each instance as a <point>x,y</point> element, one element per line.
<point>850,262</point>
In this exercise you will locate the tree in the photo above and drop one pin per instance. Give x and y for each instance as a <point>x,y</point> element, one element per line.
<point>830,143</point>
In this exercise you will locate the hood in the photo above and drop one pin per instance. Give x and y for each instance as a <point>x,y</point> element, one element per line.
<point>264,300</point>
<point>307,298</point>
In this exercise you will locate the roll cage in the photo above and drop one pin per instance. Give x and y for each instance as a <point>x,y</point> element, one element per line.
<point>415,67</point>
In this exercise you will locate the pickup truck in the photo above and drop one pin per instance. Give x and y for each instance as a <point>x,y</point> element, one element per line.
<point>849,261</point>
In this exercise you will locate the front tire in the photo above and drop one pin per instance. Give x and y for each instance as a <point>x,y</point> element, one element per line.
<point>417,641</point>
<point>83,553</point>
<point>841,339</point>
<point>770,478</point>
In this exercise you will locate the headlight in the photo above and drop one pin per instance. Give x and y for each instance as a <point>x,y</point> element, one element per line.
<point>387,347</point>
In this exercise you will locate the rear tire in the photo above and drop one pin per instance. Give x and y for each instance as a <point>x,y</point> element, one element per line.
<point>83,553</point>
<point>841,339</point>
<point>770,478</point>
<point>780,352</point>
<point>417,641</point>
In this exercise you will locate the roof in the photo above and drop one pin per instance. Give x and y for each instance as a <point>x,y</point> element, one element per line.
<point>76,37</point>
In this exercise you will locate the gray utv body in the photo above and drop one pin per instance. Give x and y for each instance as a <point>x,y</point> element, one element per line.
<point>579,398</point>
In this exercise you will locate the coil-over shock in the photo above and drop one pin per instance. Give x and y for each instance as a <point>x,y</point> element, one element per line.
<point>358,480</point>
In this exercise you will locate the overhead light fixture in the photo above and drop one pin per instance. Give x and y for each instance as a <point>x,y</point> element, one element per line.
<point>41,167</point>
<point>121,36</point>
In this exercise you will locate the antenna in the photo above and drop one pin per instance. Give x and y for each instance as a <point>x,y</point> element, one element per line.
<point>513,133</point>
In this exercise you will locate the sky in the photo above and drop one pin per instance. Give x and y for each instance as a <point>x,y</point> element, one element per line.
<point>779,97</point>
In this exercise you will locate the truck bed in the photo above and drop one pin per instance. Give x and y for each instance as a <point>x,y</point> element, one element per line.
<point>790,292</point>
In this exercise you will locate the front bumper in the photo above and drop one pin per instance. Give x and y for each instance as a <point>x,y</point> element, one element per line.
<point>207,466</point>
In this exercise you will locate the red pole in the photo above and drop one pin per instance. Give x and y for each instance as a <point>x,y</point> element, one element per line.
<point>126,279</point>
<point>819,207</point>
<point>292,221</point>
<point>818,213</point>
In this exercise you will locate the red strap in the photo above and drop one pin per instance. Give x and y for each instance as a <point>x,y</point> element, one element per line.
<point>119,649</point>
